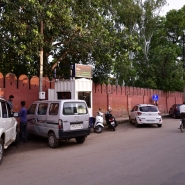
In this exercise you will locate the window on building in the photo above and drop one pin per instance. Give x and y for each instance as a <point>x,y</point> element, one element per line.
<point>63,95</point>
<point>85,96</point>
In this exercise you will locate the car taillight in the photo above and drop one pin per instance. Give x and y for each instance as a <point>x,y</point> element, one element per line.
<point>60,124</point>
<point>139,113</point>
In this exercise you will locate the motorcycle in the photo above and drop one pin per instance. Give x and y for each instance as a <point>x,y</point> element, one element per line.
<point>110,120</point>
<point>98,125</point>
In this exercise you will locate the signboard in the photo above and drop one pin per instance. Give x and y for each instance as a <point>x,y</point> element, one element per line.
<point>83,71</point>
<point>155,97</point>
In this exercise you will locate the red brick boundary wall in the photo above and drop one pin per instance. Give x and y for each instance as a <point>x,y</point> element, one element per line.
<point>121,99</point>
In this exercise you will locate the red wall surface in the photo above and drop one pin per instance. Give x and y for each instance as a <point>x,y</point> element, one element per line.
<point>119,98</point>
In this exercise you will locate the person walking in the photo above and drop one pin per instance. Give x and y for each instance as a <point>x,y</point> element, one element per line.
<point>23,123</point>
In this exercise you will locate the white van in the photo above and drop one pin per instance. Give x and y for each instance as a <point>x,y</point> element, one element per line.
<point>59,120</point>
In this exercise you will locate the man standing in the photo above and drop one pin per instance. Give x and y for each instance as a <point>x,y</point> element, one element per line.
<point>182,113</point>
<point>11,97</point>
<point>182,110</point>
<point>23,123</point>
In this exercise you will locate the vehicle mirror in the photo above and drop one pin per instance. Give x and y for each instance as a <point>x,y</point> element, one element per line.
<point>15,114</point>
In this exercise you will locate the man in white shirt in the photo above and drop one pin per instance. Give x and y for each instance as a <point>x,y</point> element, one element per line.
<point>182,113</point>
<point>182,110</point>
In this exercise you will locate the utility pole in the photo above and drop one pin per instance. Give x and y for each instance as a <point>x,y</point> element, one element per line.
<point>41,61</point>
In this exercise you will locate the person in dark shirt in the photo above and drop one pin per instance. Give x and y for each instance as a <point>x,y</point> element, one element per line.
<point>11,97</point>
<point>23,123</point>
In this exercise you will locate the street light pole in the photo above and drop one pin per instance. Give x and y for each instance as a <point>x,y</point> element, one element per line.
<point>41,61</point>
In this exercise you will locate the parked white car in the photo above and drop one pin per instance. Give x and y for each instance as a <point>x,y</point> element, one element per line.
<point>145,114</point>
<point>8,127</point>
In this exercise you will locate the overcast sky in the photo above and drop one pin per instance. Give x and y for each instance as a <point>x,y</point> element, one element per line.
<point>173,4</point>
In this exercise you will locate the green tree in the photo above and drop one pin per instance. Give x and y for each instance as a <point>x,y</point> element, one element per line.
<point>71,31</point>
<point>163,69</point>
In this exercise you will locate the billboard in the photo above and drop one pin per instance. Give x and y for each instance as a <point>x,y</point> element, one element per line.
<point>83,71</point>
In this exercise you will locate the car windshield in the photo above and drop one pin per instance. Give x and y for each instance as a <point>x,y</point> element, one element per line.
<point>148,109</point>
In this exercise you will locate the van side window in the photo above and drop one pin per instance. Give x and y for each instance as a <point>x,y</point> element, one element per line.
<point>32,109</point>
<point>4,110</point>
<point>53,109</point>
<point>9,110</point>
<point>42,109</point>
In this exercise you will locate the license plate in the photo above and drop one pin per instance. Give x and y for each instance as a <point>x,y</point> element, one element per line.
<point>76,126</point>
<point>112,123</point>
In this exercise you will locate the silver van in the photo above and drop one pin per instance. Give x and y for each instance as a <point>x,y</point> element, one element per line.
<point>59,120</point>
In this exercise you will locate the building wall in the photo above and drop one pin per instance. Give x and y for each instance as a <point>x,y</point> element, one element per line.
<point>120,99</point>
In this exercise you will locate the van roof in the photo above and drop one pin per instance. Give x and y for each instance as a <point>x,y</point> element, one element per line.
<point>65,100</point>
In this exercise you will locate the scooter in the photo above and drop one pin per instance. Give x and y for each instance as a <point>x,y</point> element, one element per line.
<point>110,120</point>
<point>98,125</point>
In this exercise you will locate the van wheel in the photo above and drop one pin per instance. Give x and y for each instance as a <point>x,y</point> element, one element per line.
<point>1,150</point>
<point>80,140</point>
<point>52,140</point>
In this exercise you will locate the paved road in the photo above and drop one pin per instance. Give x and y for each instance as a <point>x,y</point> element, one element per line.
<point>131,156</point>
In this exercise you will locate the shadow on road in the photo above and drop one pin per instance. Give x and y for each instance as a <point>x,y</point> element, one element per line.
<point>36,143</point>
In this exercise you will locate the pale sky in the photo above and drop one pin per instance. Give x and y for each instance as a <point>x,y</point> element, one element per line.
<point>173,4</point>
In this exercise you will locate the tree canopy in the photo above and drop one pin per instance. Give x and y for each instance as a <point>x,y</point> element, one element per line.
<point>122,39</point>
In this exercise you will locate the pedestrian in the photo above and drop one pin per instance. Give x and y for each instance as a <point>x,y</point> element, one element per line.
<point>11,97</point>
<point>23,123</point>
